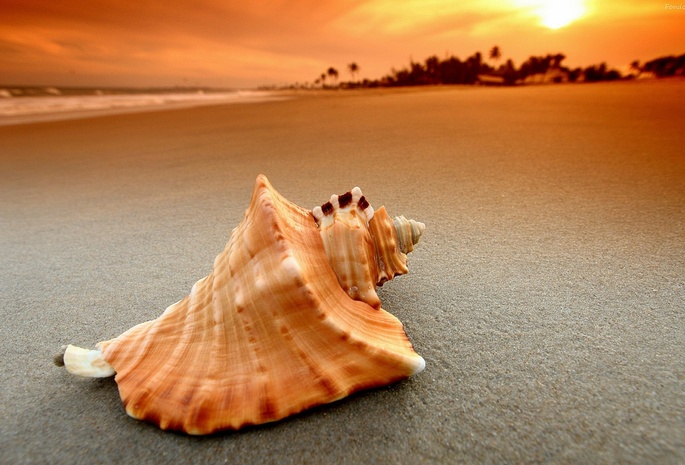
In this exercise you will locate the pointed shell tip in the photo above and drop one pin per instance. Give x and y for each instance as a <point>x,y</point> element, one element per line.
<point>420,366</point>
<point>88,363</point>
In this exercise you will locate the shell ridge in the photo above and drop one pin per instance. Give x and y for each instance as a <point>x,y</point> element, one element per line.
<point>392,261</point>
<point>115,353</point>
<point>146,387</point>
<point>327,384</point>
<point>280,403</point>
<point>250,324</point>
<point>181,356</point>
<point>267,408</point>
<point>349,318</point>
<point>221,293</point>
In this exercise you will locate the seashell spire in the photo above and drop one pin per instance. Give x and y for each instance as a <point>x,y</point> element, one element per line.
<point>408,233</point>
<point>364,247</point>
<point>268,333</point>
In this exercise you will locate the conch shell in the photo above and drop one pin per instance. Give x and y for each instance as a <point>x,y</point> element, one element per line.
<point>287,319</point>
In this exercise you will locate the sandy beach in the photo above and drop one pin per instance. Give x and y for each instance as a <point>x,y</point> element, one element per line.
<point>547,294</point>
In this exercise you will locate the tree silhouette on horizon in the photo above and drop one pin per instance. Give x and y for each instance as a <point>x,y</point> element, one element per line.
<point>333,73</point>
<point>495,54</point>
<point>353,68</point>
<point>452,70</point>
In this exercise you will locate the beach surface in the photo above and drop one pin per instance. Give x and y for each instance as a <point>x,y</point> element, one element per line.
<point>547,294</point>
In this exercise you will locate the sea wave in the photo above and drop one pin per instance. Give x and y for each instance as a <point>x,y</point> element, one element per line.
<point>52,103</point>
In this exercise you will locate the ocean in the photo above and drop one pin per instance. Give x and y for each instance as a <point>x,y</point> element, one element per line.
<point>33,104</point>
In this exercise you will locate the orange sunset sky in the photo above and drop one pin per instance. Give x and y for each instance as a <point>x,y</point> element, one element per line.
<point>247,43</point>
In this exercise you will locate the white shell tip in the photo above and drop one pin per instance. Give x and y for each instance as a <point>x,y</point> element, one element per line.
<point>421,364</point>
<point>85,362</point>
<point>318,213</point>
<point>334,201</point>
<point>356,194</point>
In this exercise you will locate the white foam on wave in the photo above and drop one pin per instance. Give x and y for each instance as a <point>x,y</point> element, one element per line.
<point>53,107</point>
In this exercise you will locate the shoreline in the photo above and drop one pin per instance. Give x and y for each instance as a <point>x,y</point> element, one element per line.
<point>260,96</point>
<point>106,105</point>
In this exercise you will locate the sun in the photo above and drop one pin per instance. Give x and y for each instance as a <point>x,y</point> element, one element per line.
<point>554,14</point>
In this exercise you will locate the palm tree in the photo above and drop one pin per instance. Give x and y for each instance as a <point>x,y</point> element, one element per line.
<point>323,79</point>
<point>495,54</point>
<point>353,68</point>
<point>635,66</point>
<point>557,59</point>
<point>333,73</point>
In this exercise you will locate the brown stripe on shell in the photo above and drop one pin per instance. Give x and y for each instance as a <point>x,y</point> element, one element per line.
<point>327,208</point>
<point>345,199</point>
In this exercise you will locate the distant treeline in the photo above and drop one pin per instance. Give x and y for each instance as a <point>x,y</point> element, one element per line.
<point>476,70</point>
<point>452,70</point>
<point>546,68</point>
<point>665,66</point>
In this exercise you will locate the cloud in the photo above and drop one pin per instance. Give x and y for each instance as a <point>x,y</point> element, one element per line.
<point>209,37</point>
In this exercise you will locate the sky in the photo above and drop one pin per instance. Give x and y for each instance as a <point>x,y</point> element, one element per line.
<point>250,43</point>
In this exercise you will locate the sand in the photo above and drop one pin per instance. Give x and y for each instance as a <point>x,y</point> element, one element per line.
<point>547,294</point>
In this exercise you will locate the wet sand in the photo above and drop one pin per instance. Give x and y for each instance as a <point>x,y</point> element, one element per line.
<point>547,295</point>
